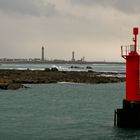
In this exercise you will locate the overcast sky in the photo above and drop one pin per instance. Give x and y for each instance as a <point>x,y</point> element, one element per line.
<point>92,28</point>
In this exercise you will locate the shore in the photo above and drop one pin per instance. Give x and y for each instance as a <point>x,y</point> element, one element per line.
<point>19,77</point>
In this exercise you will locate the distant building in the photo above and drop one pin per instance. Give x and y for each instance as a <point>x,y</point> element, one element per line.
<point>73,56</point>
<point>42,57</point>
<point>83,59</point>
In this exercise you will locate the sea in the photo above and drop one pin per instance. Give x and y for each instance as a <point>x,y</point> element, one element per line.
<point>63,111</point>
<point>103,67</point>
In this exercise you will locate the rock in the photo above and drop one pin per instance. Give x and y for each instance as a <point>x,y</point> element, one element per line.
<point>54,69</point>
<point>12,86</point>
<point>75,67</point>
<point>52,81</point>
<point>47,69</point>
<point>88,67</point>
<point>9,78</point>
<point>90,71</point>
<point>3,86</point>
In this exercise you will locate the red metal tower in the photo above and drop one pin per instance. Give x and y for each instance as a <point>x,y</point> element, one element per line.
<point>129,115</point>
<point>132,69</point>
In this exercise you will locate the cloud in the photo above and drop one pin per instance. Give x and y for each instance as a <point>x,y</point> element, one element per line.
<point>91,2</point>
<point>28,7</point>
<point>126,6</point>
<point>51,10</point>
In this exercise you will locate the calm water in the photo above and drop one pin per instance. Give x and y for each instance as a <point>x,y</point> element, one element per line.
<point>63,112</point>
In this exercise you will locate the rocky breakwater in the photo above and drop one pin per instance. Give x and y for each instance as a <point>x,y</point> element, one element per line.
<point>13,79</point>
<point>9,85</point>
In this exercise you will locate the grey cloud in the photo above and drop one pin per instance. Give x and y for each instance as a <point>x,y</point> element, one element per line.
<point>28,7</point>
<point>93,2</point>
<point>126,6</point>
<point>51,10</point>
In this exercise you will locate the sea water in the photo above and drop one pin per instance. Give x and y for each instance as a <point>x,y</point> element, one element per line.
<point>68,67</point>
<point>63,111</point>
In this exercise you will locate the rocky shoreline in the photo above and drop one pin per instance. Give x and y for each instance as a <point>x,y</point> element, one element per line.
<point>14,79</point>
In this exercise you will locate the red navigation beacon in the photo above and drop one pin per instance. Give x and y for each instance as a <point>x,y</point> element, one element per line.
<point>129,115</point>
<point>130,53</point>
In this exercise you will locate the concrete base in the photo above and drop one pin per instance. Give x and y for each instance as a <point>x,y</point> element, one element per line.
<point>128,116</point>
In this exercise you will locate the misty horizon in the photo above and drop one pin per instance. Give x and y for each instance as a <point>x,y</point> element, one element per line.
<point>93,29</point>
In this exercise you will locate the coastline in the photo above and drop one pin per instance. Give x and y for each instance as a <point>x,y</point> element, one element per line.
<point>54,76</point>
<point>56,62</point>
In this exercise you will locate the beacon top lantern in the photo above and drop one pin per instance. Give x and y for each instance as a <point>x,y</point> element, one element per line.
<point>135,30</point>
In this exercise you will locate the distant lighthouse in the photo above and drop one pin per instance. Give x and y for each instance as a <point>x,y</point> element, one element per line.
<point>42,56</point>
<point>73,56</point>
<point>129,114</point>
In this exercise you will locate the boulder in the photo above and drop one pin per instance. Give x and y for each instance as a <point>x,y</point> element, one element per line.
<point>11,86</point>
<point>54,69</point>
<point>88,67</point>
<point>75,67</point>
<point>3,86</point>
<point>14,86</point>
<point>47,69</point>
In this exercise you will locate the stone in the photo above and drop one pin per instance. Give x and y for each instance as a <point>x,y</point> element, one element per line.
<point>54,69</point>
